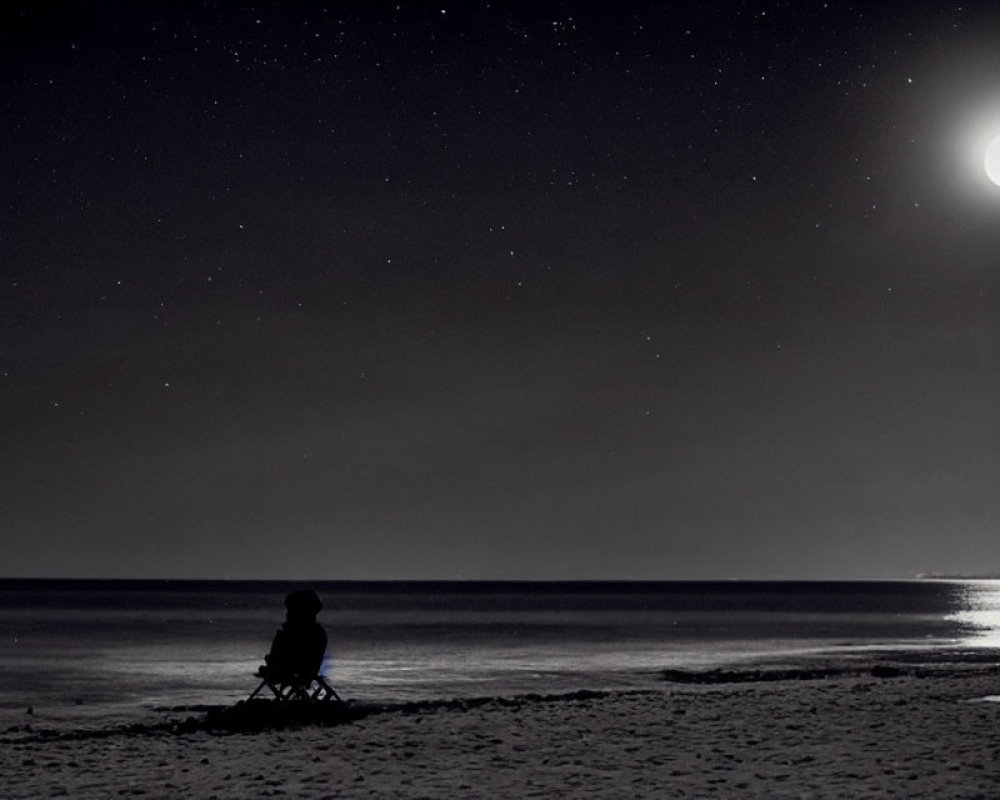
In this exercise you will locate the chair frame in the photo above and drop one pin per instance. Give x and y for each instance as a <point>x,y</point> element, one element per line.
<point>312,690</point>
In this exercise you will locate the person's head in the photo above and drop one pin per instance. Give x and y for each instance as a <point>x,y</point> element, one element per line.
<point>303,604</point>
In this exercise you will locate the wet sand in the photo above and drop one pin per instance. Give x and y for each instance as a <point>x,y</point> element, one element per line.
<point>855,733</point>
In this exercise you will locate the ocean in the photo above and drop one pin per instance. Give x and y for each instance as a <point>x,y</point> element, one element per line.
<point>77,650</point>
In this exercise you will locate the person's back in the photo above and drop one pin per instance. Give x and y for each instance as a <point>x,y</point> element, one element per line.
<point>300,644</point>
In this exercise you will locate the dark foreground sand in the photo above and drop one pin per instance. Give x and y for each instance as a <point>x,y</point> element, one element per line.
<point>846,735</point>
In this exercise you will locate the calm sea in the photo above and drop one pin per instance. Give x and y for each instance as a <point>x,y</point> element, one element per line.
<point>75,649</point>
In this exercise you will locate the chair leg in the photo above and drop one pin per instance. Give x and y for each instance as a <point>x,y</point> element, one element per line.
<point>280,692</point>
<point>324,691</point>
<point>301,692</point>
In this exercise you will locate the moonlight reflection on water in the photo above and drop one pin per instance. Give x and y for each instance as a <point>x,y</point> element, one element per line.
<point>978,612</point>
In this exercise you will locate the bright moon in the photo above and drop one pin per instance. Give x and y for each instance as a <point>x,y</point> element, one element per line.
<point>992,161</point>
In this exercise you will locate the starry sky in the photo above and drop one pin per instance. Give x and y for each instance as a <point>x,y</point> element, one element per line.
<point>485,290</point>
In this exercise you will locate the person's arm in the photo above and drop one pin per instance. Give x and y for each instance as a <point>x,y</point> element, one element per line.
<point>279,649</point>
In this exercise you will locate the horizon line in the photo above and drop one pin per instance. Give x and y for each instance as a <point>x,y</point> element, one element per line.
<point>458,582</point>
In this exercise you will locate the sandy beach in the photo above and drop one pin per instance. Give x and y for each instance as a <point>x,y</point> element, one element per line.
<point>896,732</point>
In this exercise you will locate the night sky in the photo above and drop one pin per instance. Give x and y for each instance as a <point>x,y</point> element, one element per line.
<point>499,290</point>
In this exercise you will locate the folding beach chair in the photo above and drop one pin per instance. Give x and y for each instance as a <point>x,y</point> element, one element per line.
<point>293,669</point>
<point>285,688</point>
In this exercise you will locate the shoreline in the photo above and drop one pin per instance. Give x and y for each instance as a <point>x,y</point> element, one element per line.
<point>878,728</point>
<point>889,661</point>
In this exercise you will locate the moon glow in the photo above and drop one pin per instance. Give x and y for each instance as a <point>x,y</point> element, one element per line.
<point>991,161</point>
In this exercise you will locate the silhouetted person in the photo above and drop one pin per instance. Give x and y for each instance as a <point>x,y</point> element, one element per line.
<point>299,645</point>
